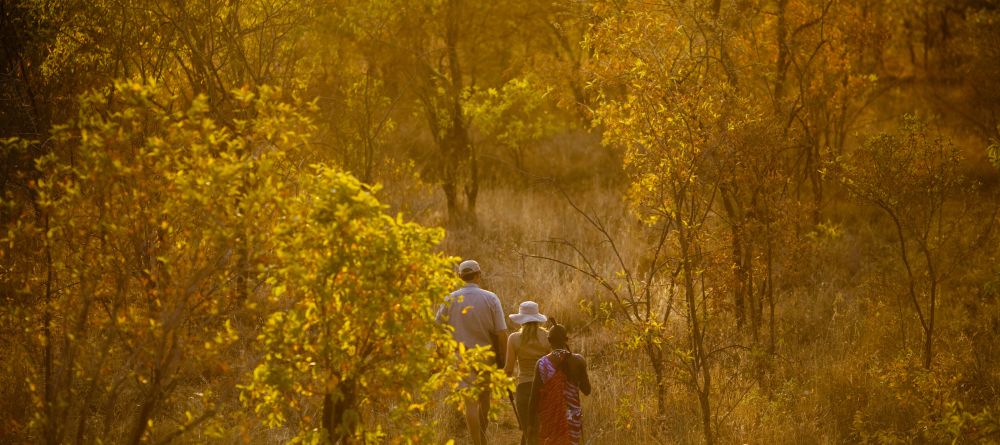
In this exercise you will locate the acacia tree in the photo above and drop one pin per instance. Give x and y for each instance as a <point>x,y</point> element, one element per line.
<point>914,178</point>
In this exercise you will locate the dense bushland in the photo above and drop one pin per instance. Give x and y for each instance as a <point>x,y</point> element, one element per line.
<point>762,221</point>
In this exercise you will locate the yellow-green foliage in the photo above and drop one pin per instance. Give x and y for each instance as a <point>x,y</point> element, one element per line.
<point>513,116</point>
<point>142,205</point>
<point>356,291</point>
<point>185,256</point>
<point>161,225</point>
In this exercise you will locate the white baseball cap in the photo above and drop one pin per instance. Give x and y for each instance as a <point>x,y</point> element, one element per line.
<point>467,267</point>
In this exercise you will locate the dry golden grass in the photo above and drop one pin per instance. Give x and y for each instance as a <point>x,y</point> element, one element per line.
<point>518,222</point>
<point>840,328</point>
<point>621,408</point>
<point>841,369</point>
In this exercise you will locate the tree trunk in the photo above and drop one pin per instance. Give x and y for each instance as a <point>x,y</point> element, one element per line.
<point>700,362</point>
<point>739,277</point>
<point>451,197</point>
<point>456,142</point>
<point>656,360</point>
<point>706,410</point>
<point>472,188</point>
<point>928,346</point>
<point>926,323</point>
<point>337,419</point>
<point>755,299</point>
<point>781,64</point>
<point>145,410</point>
<point>929,334</point>
<point>769,291</point>
<point>456,152</point>
<point>51,427</point>
<point>730,204</point>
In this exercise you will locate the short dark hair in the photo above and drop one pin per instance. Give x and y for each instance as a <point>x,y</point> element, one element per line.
<point>558,335</point>
<point>470,276</point>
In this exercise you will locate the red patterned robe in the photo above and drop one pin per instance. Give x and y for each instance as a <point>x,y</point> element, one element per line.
<point>559,412</point>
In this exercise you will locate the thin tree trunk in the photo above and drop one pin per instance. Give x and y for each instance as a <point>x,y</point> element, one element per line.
<point>656,360</point>
<point>145,410</point>
<point>472,189</point>
<point>782,60</point>
<point>337,424</point>
<point>929,334</point>
<point>51,427</point>
<point>700,364</point>
<point>457,140</point>
<point>911,279</point>
<point>451,196</point>
<point>769,290</point>
<point>729,204</point>
<point>755,299</point>
<point>706,409</point>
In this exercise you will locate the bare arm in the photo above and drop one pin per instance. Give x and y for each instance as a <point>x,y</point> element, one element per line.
<point>536,392</point>
<point>511,355</point>
<point>583,380</point>
<point>500,343</point>
<point>499,334</point>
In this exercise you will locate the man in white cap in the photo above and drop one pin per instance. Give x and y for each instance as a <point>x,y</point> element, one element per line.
<point>478,319</point>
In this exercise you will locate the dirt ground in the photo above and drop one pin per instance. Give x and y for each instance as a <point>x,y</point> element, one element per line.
<point>502,432</point>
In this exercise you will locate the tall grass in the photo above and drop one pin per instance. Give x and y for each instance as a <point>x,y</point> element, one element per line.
<point>844,370</point>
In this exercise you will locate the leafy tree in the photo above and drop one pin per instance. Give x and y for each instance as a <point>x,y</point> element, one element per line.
<point>442,54</point>
<point>718,108</point>
<point>667,125</point>
<point>512,117</point>
<point>354,336</point>
<point>127,301</point>
<point>915,179</point>
<point>143,206</point>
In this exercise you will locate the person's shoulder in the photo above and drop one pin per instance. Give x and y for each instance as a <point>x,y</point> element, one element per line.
<point>462,291</point>
<point>495,299</point>
<point>488,295</point>
<point>579,359</point>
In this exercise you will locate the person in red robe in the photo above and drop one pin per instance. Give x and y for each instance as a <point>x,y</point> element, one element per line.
<point>560,377</point>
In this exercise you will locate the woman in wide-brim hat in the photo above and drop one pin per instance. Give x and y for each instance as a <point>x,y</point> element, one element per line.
<point>524,348</point>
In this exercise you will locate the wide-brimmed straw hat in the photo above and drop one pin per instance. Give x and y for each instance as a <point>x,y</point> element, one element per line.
<point>528,312</point>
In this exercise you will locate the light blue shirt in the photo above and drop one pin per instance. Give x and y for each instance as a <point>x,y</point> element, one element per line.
<point>475,313</point>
